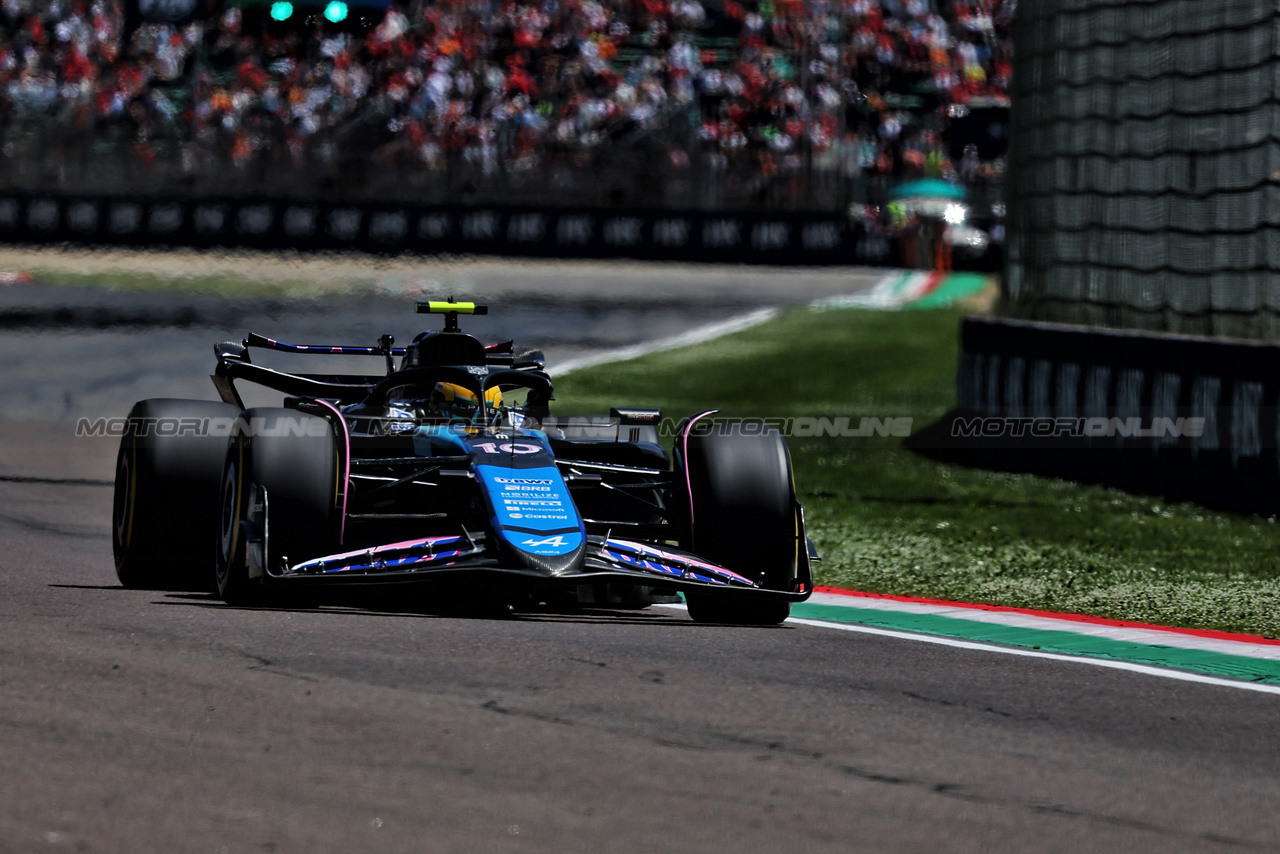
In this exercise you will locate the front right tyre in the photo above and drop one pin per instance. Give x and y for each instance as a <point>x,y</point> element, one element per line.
<point>287,463</point>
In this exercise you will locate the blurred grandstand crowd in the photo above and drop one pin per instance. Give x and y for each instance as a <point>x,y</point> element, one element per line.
<point>748,94</point>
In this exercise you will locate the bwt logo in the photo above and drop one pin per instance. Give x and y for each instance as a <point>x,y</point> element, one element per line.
<point>225,427</point>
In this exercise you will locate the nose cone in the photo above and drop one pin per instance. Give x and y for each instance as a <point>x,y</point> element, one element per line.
<point>556,554</point>
<point>531,514</point>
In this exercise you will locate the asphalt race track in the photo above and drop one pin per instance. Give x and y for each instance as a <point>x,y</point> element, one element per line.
<point>90,352</point>
<point>165,721</point>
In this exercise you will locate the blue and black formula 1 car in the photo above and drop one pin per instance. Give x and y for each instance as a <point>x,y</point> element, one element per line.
<point>451,467</point>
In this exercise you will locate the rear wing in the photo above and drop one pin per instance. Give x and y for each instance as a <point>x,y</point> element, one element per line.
<point>383,348</point>
<point>502,353</point>
<point>234,363</point>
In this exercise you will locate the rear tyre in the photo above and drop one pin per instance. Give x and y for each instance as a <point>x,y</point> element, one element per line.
<point>166,493</point>
<point>743,517</point>
<point>292,459</point>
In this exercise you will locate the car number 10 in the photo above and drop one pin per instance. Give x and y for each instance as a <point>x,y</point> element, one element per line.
<point>508,448</point>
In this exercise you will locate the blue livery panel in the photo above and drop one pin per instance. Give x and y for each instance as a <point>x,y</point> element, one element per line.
<point>532,508</point>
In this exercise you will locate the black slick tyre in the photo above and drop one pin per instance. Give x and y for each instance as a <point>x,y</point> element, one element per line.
<point>286,462</point>
<point>743,517</point>
<point>168,472</point>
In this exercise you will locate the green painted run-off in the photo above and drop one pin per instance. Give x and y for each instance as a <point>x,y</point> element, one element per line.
<point>1048,640</point>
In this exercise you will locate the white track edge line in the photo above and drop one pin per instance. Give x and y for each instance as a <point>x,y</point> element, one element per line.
<point>886,293</point>
<point>698,335</point>
<point>1131,634</point>
<point>1147,670</point>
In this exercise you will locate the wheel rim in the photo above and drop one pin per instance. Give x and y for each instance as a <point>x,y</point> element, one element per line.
<point>123,498</point>
<point>230,521</point>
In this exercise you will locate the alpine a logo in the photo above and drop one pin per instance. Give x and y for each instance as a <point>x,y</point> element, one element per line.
<point>557,541</point>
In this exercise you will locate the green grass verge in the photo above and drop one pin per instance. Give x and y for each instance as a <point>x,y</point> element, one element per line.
<point>888,520</point>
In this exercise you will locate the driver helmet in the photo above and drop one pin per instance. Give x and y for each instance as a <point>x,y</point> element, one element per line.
<point>462,401</point>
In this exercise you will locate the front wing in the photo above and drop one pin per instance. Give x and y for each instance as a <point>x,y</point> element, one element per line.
<point>608,560</point>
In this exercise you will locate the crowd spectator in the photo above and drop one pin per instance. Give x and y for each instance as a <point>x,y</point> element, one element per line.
<point>754,87</point>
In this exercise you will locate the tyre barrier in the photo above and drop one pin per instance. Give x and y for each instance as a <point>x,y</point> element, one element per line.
<point>783,238</point>
<point>1187,417</point>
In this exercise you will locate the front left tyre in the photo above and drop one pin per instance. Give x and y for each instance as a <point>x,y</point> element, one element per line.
<point>168,473</point>
<point>743,516</point>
